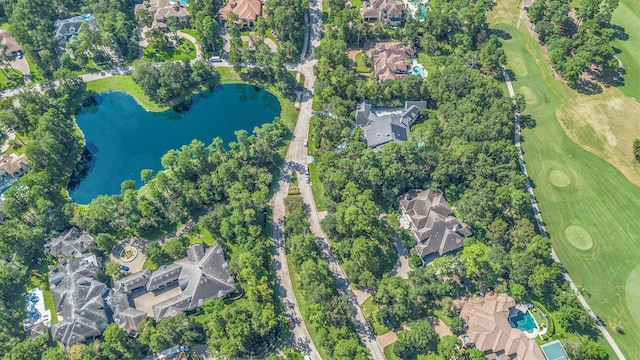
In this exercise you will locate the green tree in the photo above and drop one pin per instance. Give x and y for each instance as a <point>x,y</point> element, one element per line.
<point>636,149</point>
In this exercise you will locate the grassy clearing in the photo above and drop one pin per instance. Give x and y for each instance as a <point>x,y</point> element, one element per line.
<point>10,78</point>
<point>627,15</point>
<point>317,188</point>
<point>192,33</point>
<point>388,353</point>
<point>589,201</point>
<point>360,66</point>
<point>125,83</point>
<point>370,309</point>
<point>185,51</point>
<point>200,235</point>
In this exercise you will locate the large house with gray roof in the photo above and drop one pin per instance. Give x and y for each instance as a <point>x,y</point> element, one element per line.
<point>172,289</point>
<point>65,29</point>
<point>381,126</point>
<point>70,243</point>
<point>78,299</point>
<point>432,222</point>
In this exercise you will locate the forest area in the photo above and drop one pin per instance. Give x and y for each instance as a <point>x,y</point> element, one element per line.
<point>578,41</point>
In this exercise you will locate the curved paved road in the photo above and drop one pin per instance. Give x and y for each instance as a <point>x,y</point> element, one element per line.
<point>543,231</point>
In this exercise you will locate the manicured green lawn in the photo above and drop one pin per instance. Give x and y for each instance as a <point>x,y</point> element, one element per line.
<point>125,83</point>
<point>10,78</point>
<point>598,197</point>
<point>192,33</point>
<point>317,188</point>
<point>360,66</point>
<point>627,15</point>
<point>185,51</point>
<point>201,235</point>
<point>370,308</point>
<point>388,353</point>
<point>357,4</point>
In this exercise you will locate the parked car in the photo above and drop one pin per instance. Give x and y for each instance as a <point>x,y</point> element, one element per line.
<point>307,357</point>
<point>306,170</point>
<point>306,142</point>
<point>124,268</point>
<point>306,179</point>
<point>290,322</point>
<point>20,55</point>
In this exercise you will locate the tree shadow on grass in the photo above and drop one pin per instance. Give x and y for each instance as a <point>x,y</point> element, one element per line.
<point>501,34</point>
<point>510,73</point>
<point>587,87</point>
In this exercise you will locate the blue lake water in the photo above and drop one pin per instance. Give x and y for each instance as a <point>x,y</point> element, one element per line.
<point>124,138</point>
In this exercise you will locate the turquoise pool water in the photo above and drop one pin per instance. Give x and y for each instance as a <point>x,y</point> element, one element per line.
<point>417,71</point>
<point>523,321</point>
<point>423,11</point>
<point>124,138</point>
<point>554,351</point>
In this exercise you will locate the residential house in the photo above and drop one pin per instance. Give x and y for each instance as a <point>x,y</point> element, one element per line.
<point>65,29</point>
<point>432,222</point>
<point>70,243</point>
<point>390,60</point>
<point>390,12</point>
<point>12,167</point>
<point>78,299</point>
<point>489,330</point>
<point>383,126</point>
<point>172,289</point>
<point>13,47</point>
<point>161,10</point>
<point>248,11</point>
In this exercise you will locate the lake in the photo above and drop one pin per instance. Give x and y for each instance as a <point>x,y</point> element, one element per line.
<point>124,138</point>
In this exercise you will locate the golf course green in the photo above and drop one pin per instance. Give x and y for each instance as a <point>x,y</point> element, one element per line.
<point>589,205</point>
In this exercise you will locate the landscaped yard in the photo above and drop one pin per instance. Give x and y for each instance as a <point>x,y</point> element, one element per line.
<point>125,83</point>
<point>185,51</point>
<point>317,188</point>
<point>370,308</point>
<point>360,66</point>
<point>10,78</point>
<point>590,207</point>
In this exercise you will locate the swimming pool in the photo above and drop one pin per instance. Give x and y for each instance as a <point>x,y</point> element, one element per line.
<point>554,351</point>
<point>423,11</point>
<point>523,321</point>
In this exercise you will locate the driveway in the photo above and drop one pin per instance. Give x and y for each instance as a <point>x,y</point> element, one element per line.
<point>194,41</point>
<point>21,65</point>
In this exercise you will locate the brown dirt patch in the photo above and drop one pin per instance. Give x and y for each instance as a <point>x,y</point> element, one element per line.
<point>606,126</point>
<point>386,339</point>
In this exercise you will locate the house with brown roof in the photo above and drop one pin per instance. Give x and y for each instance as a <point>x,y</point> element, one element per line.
<point>13,47</point>
<point>391,60</point>
<point>432,222</point>
<point>390,12</point>
<point>161,10</point>
<point>12,166</point>
<point>248,11</point>
<point>489,329</point>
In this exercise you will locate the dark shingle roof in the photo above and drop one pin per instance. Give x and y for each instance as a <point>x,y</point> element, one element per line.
<point>80,299</point>
<point>70,243</point>
<point>163,276</point>
<point>433,224</point>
